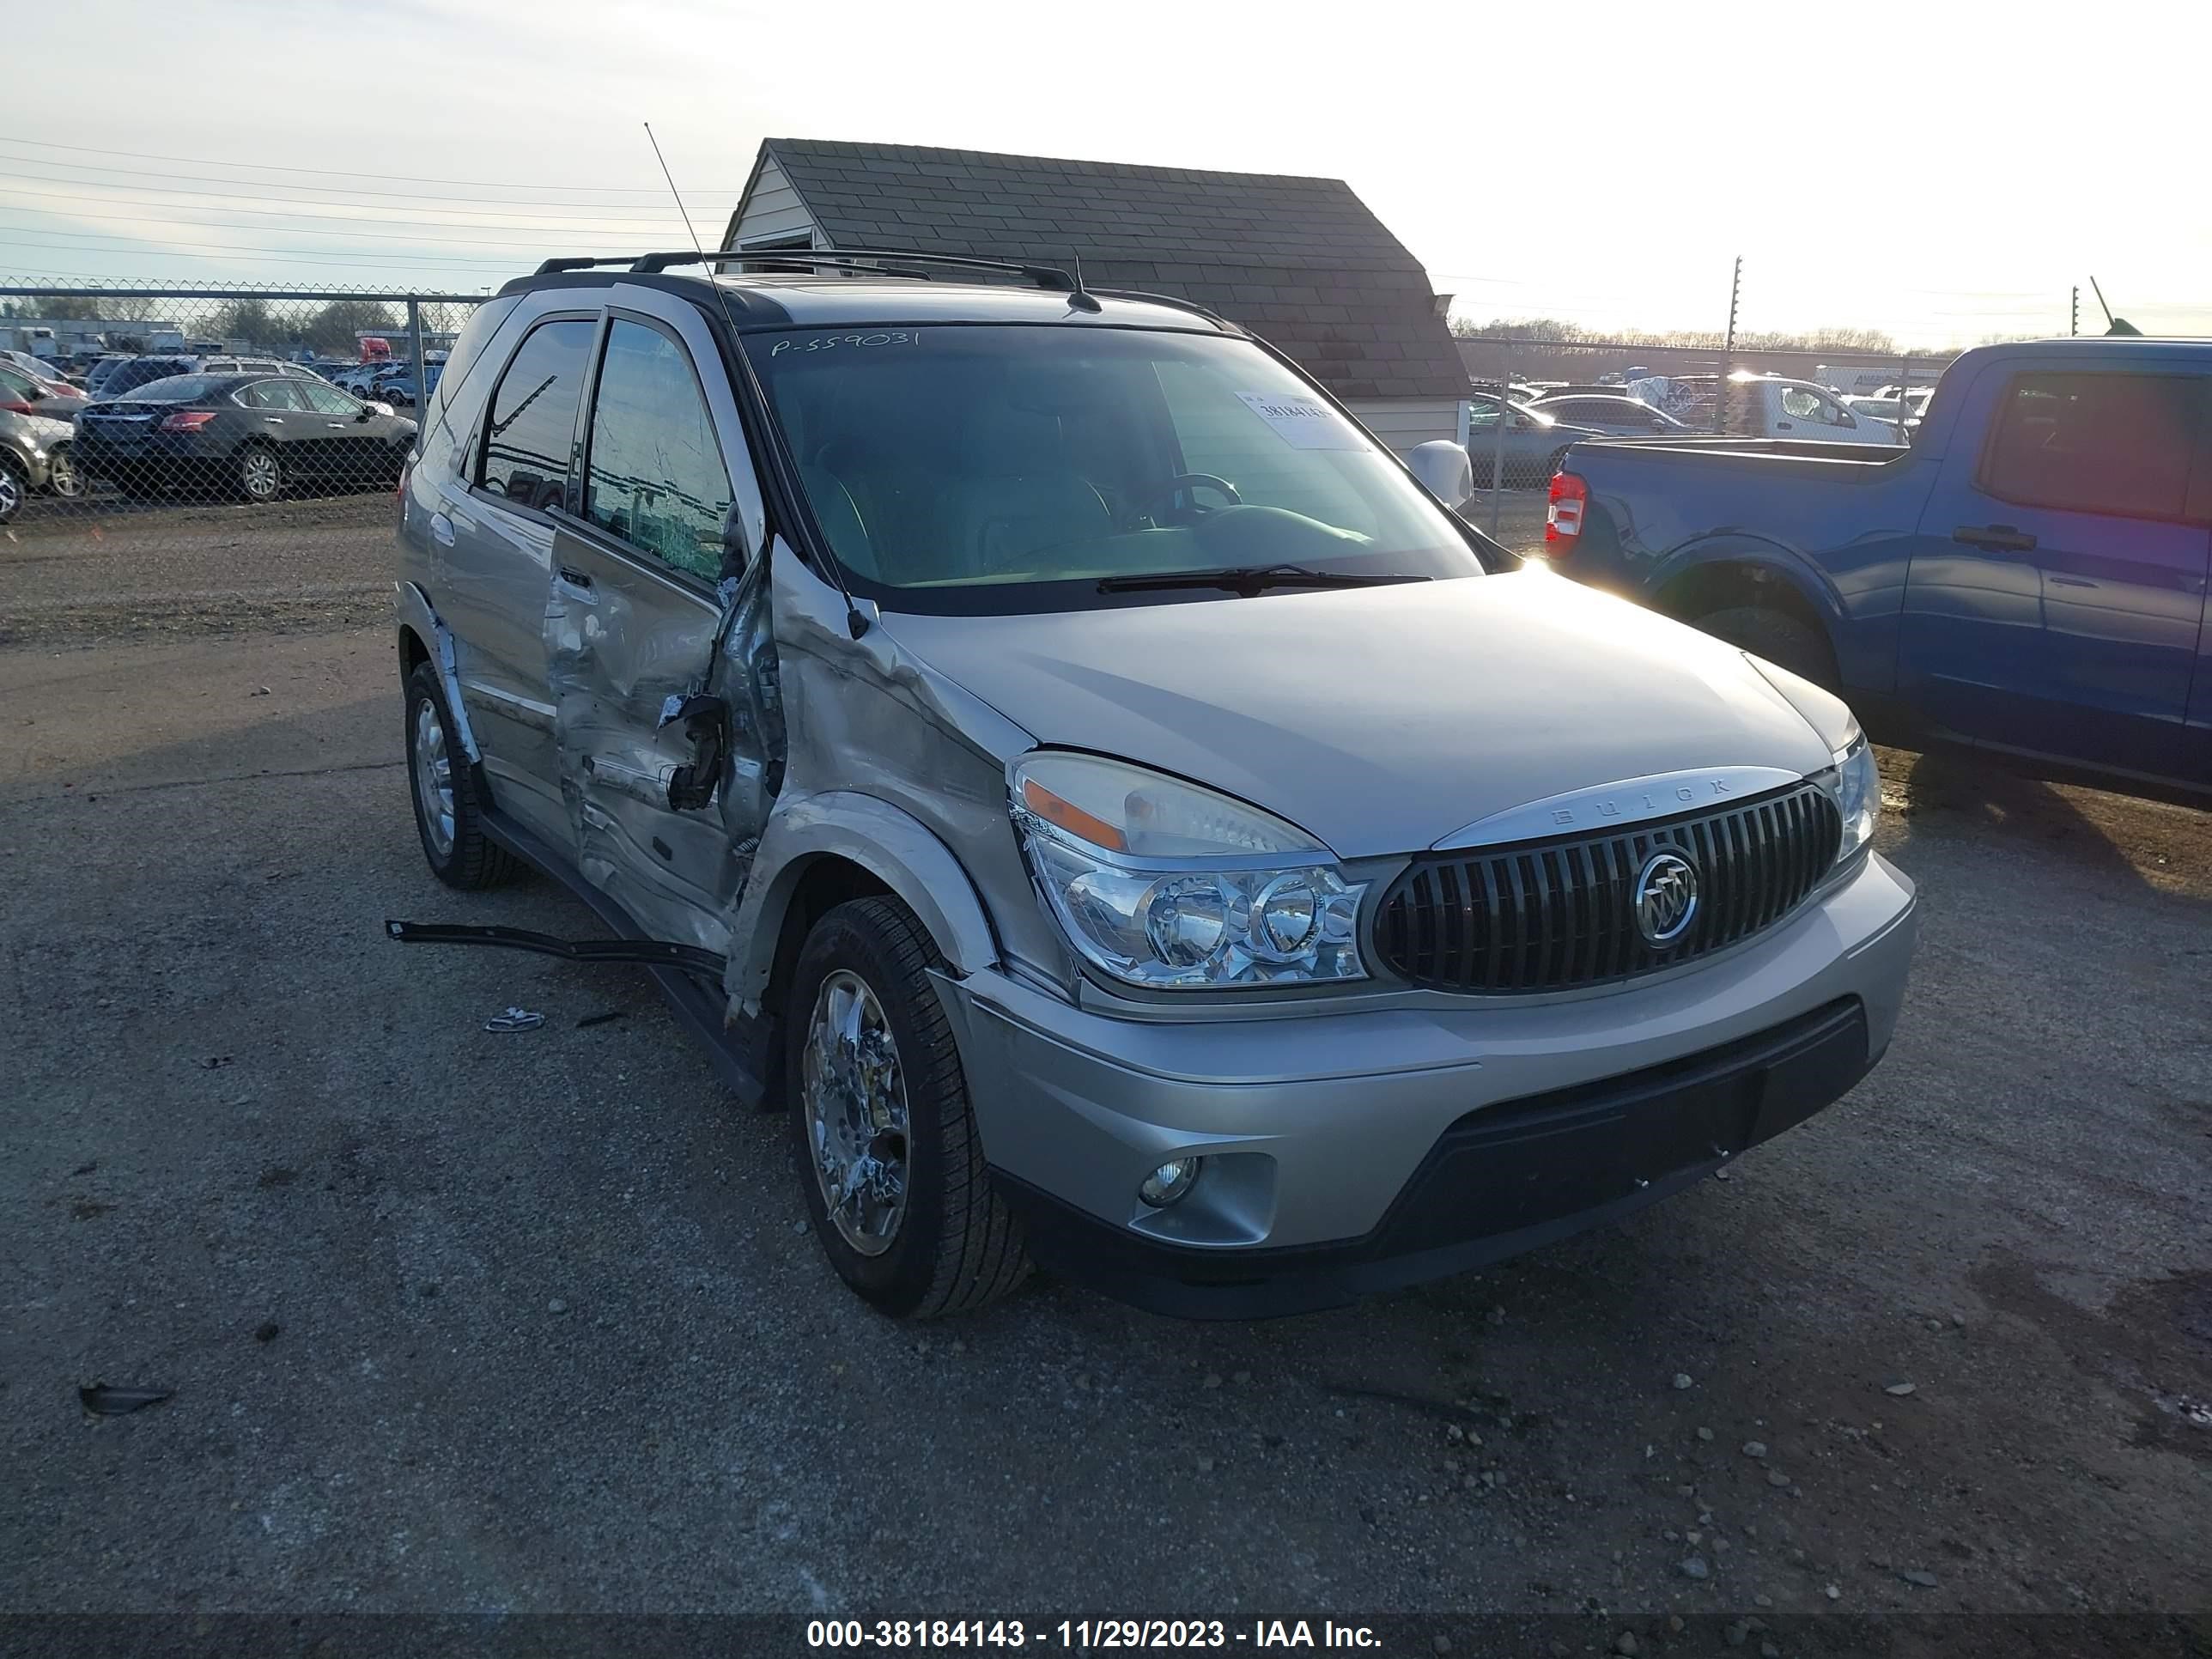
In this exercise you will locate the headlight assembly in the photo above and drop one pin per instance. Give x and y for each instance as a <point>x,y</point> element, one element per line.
<point>1164,885</point>
<point>1859,793</point>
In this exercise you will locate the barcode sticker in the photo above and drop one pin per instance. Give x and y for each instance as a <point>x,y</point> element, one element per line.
<point>1302,421</point>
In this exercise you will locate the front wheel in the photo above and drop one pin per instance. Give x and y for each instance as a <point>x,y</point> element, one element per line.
<point>13,489</point>
<point>890,1161</point>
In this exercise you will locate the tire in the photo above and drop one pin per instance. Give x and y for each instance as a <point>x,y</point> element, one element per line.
<point>62,479</point>
<point>13,487</point>
<point>448,812</point>
<point>259,473</point>
<point>947,1244</point>
<point>1781,639</point>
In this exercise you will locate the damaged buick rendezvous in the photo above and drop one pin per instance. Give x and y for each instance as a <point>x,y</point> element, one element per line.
<point>1042,743</point>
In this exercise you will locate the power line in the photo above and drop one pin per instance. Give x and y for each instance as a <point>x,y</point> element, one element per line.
<point>408,238</point>
<point>331,172</point>
<point>367,262</point>
<point>465,218</point>
<point>321,193</point>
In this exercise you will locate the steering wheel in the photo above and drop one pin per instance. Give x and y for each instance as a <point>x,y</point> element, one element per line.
<point>1163,499</point>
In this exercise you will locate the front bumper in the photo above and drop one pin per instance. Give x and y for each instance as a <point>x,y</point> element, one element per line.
<point>1355,1151</point>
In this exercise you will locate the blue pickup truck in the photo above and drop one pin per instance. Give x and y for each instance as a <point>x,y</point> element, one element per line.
<point>2029,576</point>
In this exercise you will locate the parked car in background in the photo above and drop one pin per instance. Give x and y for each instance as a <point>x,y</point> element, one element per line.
<point>247,366</point>
<point>97,375</point>
<point>2030,576</point>
<point>1534,442</point>
<point>399,389</point>
<point>133,373</point>
<point>22,393</point>
<point>1612,415</point>
<point>1764,406</point>
<point>1053,739</point>
<point>254,435</point>
<point>36,454</point>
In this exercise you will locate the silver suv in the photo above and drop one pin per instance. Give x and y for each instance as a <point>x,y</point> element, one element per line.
<point>1044,743</point>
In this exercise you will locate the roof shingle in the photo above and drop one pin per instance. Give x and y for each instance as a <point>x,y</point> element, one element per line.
<point>1300,261</point>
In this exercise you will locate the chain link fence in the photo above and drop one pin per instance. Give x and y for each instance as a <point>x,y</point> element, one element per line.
<point>126,410</point>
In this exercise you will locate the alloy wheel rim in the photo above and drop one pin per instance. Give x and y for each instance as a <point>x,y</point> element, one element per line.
<point>11,493</point>
<point>62,475</point>
<point>853,1094</point>
<point>260,470</point>
<point>433,778</point>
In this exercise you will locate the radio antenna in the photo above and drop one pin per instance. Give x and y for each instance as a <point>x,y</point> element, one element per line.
<point>855,624</point>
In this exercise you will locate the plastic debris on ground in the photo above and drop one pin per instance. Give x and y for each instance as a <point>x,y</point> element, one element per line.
<point>103,1401</point>
<point>515,1019</point>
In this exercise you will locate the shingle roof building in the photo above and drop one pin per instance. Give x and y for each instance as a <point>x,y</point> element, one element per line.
<point>1300,261</point>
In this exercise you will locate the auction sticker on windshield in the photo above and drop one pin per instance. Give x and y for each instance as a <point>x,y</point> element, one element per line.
<point>1300,421</point>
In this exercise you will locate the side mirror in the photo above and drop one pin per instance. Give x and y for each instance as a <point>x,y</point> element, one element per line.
<point>366,411</point>
<point>1443,469</point>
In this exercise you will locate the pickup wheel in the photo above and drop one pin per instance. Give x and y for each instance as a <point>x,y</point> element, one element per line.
<point>890,1161</point>
<point>1781,639</point>
<point>449,813</point>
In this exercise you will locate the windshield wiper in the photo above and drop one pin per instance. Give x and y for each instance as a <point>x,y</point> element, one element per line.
<point>1248,579</point>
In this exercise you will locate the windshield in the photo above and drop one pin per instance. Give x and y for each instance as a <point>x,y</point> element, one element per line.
<point>991,468</point>
<point>1483,411</point>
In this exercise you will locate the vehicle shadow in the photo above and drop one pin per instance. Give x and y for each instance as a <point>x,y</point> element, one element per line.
<point>2136,843</point>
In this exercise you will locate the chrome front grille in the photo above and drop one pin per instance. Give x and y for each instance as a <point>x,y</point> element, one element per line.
<point>1559,914</point>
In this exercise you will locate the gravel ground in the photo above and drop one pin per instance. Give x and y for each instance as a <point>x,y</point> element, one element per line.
<point>505,1323</point>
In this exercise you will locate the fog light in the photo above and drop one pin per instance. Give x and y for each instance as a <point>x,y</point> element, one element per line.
<point>1170,1182</point>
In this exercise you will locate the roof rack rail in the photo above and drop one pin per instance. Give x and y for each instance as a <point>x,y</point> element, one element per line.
<point>1175,300</point>
<point>1045,277</point>
<point>634,261</point>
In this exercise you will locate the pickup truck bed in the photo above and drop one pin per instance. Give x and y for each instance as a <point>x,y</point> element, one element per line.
<point>2031,576</point>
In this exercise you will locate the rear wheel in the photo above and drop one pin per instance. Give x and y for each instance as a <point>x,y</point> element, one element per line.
<point>260,474</point>
<point>1783,639</point>
<point>14,486</point>
<point>449,813</point>
<point>63,479</point>
<point>890,1161</point>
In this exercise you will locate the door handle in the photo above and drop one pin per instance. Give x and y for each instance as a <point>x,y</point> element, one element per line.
<point>575,578</point>
<point>272,419</point>
<point>1783,426</point>
<point>1996,538</point>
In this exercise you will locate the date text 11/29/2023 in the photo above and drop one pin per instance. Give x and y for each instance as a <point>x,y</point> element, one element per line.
<point>1085,1635</point>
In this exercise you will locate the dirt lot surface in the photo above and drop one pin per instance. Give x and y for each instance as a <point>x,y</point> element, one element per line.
<point>503,1323</point>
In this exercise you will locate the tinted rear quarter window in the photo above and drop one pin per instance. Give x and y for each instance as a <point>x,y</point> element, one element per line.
<point>2115,443</point>
<point>531,421</point>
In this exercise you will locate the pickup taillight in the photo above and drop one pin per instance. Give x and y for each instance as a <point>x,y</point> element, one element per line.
<point>1562,521</point>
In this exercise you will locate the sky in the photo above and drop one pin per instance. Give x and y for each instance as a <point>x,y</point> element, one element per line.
<point>1943,172</point>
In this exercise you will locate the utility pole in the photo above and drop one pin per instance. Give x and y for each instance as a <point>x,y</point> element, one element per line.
<point>2074,312</point>
<point>1728,350</point>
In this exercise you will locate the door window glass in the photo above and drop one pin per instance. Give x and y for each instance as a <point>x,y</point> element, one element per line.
<point>533,419</point>
<point>327,399</point>
<point>271,394</point>
<point>2098,443</point>
<point>655,477</point>
<point>1800,404</point>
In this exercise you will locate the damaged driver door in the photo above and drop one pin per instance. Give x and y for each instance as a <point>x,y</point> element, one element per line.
<point>658,653</point>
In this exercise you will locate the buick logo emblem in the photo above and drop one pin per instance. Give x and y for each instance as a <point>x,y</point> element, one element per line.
<point>1666,897</point>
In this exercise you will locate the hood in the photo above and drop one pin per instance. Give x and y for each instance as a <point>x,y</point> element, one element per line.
<point>1383,718</point>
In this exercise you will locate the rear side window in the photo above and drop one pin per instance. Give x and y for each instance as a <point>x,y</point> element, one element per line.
<point>533,419</point>
<point>2118,444</point>
<point>271,394</point>
<point>655,477</point>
